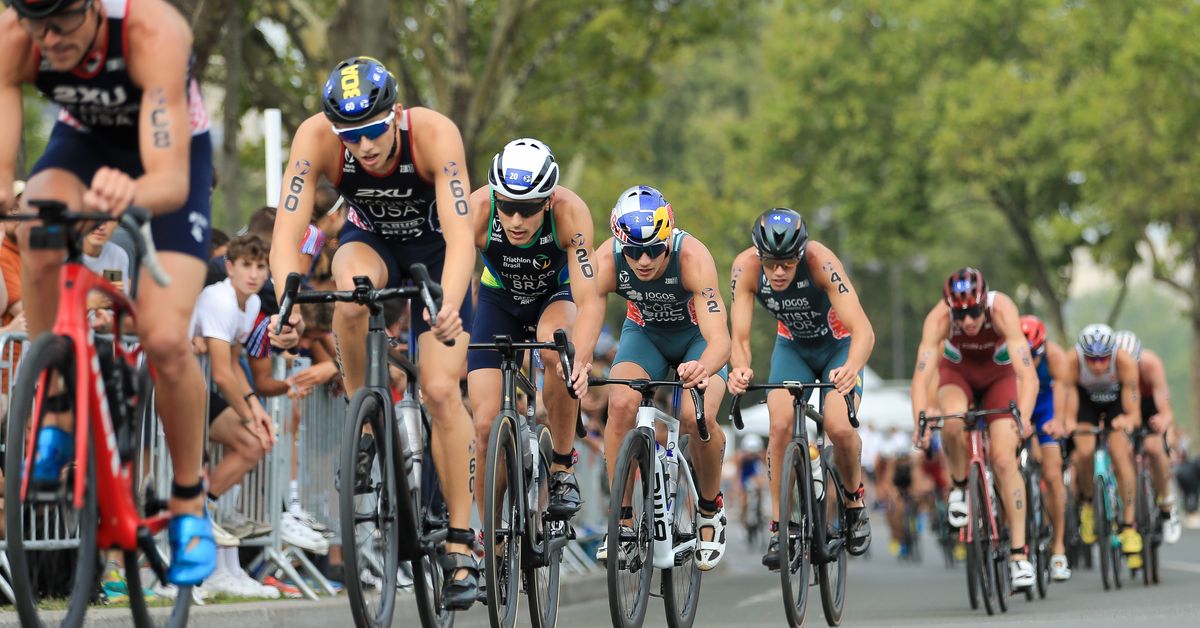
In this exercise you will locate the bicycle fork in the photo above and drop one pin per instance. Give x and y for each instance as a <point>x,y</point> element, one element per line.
<point>665,465</point>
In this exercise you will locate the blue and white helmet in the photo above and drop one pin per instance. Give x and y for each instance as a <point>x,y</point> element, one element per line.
<point>1096,341</point>
<point>1128,341</point>
<point>524,171</point>
<point>642,216</point>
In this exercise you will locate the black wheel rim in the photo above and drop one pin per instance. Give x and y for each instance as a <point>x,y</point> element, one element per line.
<point>681,584</point>
<point>501,538</point>
<point>542,578</point>
<point>981,542</point>
<point>629,576</point>
<point>795,537</point>
<point>833,573</point>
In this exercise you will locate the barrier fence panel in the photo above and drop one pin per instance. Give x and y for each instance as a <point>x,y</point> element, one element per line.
<point>322,424</point>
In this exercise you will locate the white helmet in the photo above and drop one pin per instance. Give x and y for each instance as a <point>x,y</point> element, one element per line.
<point>525,170</point>
<point>1128,341</point>
<point>752,443</point>
<point>1096,341</point>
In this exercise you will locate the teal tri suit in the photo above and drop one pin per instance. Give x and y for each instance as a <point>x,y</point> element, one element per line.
<point>660,330</point>
<point>519,282</point>
<point>811,340</point>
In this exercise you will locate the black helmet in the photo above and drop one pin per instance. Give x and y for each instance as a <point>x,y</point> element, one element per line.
<point>357,89</point>
<point>779,233</point>
<point>38,9</point>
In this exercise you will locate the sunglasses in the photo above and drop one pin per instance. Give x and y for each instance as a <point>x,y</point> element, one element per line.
<point>1097,359</point>
<point>771,264</point>
<point>635,252</point>
<point>372,130</point>
<point>525,208</point>
<point>970,312</point>
<point>61,23</point>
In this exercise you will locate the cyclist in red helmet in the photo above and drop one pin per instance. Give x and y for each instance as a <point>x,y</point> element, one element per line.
<point>1052,364</point>
<point>975,331</point>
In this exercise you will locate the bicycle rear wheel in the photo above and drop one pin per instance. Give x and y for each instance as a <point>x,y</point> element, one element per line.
<point>1032,523</point>
<point>630,560</point>
<point>543,570</point>
<point>1145,514</point>
<point>832,575</point>
<point>502,504</point>
<point>370,516</point>
<point>27,524</point>
<point>681,583</point>
<point>795,533</point>
<point>979,550</point>
<point>1103,532</point>
<point>432,518</point>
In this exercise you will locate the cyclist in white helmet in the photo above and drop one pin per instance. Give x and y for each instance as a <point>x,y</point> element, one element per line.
<point>1102,384</point>
<point>535,237</point>
<point>1156,412</point>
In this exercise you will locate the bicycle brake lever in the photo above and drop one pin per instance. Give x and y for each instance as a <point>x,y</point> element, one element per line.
<point>701,425</point>
<point>290,286</point>
<point>735,412</point>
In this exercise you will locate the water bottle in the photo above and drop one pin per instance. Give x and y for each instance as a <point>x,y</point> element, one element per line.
<point>818,472</point>
<point>410,417</point>
<point>530,455</point>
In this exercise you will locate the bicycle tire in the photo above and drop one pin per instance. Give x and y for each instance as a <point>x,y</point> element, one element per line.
<point>979,550</point>
<point>502,499</point>
<point>633,473</point>
<point>1002,580</point>
<point>795,530</point>
<point>1144,510</point>
<point>48,352</point>
<point>1103,542</point>
<point>429,514</point>
<point>543,580</point>
<point>832,575</point>
<point>1031,538</point>
<point>681,583</point>
<point>370,520</point>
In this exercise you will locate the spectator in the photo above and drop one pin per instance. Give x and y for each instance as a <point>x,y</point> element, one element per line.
<point>220,242</point>
<point>10,264</point>
<point>109,261</point>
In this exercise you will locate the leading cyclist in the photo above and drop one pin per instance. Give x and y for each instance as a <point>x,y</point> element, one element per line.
<point>823,333</point>
<point>404,178</point>
<point>985,361</point>
<point>131,130</point>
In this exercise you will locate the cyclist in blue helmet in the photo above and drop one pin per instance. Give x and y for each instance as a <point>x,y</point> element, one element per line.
<point>675,317</point>
<point>403,175</point>
<point>823,333</point>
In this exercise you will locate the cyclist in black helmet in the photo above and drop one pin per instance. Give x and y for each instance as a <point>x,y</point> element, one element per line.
<point>823,334</point>
<point>404,177</point>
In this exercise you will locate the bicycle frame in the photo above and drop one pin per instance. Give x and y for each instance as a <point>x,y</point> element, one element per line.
<point>1102,468</point>
<point>667,468</point>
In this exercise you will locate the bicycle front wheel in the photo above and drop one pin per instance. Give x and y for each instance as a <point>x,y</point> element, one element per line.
<point>542,574</point>
<point>47,520</point>
<point>979,550</point>
<point>629,559</point>
<point>681,583</point>
<point>1108,567</point>
<point>1145,516</point>
<point>832,575</point>
<point>370,516</point>
<point>501,517</point>
<point>795,533</point>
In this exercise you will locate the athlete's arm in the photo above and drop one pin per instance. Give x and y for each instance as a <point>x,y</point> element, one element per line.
<point>698,275</point>
<point>160,49</point>
<point>305,163</point>
<point>1156,376</point>
<point>829,274</point>
<point>1007,320</point>
<point>606,273</point>
<point>439,157</point>
<point>481,216</point>
<point>1056,362</point>
<point>577,236</point>
<point>1131,400</point>
<point>743,278</point>
<point>16,68</point>
<point>933,334</point>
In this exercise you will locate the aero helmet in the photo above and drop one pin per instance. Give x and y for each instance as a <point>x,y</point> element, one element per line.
<point>780,233</point>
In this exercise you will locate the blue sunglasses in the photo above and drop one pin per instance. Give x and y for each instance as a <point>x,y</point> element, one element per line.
<point>635,252</point>
<point>370,131</point>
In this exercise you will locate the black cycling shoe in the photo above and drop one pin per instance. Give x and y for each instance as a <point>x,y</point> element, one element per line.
<point>459,594</point>
<point>770,560</point>
<point>564,496</point>
<point>859,525</point>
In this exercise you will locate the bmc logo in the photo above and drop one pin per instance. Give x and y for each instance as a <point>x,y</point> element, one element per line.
<point>81,95</point>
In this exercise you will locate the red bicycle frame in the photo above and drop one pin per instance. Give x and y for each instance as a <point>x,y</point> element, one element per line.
<point>978,447</point>
<point>119,521</point>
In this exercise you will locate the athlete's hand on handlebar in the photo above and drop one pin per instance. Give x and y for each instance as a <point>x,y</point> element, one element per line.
<point>739,379</point>
<point>1122,423</point>
<point>693,374</point>
<point>111,192</point>
<point>579,376</point>
<point>845,379</point>
<point>1054,428</point>
<point>289,337</point>
<point>448,325</point>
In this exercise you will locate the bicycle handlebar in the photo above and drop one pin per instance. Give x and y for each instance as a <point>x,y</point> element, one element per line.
<point>647,386</point>
<point>937,421</point>
<point>363,294</point>
<point>135,220</point>
<point>797,389</point>
<point>566,355</point>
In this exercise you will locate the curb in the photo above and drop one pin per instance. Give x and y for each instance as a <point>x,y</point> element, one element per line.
<point>323,613</point>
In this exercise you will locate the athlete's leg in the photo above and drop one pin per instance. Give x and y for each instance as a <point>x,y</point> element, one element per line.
<point>1081,459</point>
<point>623,405</point>
<point>847,446</point>
<point>1004,439</point>
<point>483,387</point>
<point>780,410</point>
<point>440,369</point>
<point>1055,496</point>
<point>952,399</point>
<point>1121,451</point>
<point>1160,467</point>
<point>706,457</point>
<point>349,320</point>
<point>562,410</point>
<point>243,450</point>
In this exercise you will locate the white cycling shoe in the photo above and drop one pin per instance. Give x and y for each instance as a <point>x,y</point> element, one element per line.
<point>1021,572</point>
<point>709,553</point>
<point>1059,570</point>
<point>1171,526</point>
<point>956,508</point>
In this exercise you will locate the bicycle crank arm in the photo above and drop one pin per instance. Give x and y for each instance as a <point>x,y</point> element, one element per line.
<point>145,542</point>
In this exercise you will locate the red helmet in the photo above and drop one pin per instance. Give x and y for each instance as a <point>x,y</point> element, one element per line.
<point>1035,333</point>
<point>965,289</point>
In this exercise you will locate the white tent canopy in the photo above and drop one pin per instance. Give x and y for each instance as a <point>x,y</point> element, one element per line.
<point>884,404</point>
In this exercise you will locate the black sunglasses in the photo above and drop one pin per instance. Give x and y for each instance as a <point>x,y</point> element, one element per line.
<point>61,23</point>
<point>970,312</point>
<point>635,252</point>
<point>525,208</point>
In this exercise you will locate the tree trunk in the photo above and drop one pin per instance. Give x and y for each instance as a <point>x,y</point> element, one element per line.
<point>1018,219</point>
<point>1119,303</point>
<point>1190,422</point>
